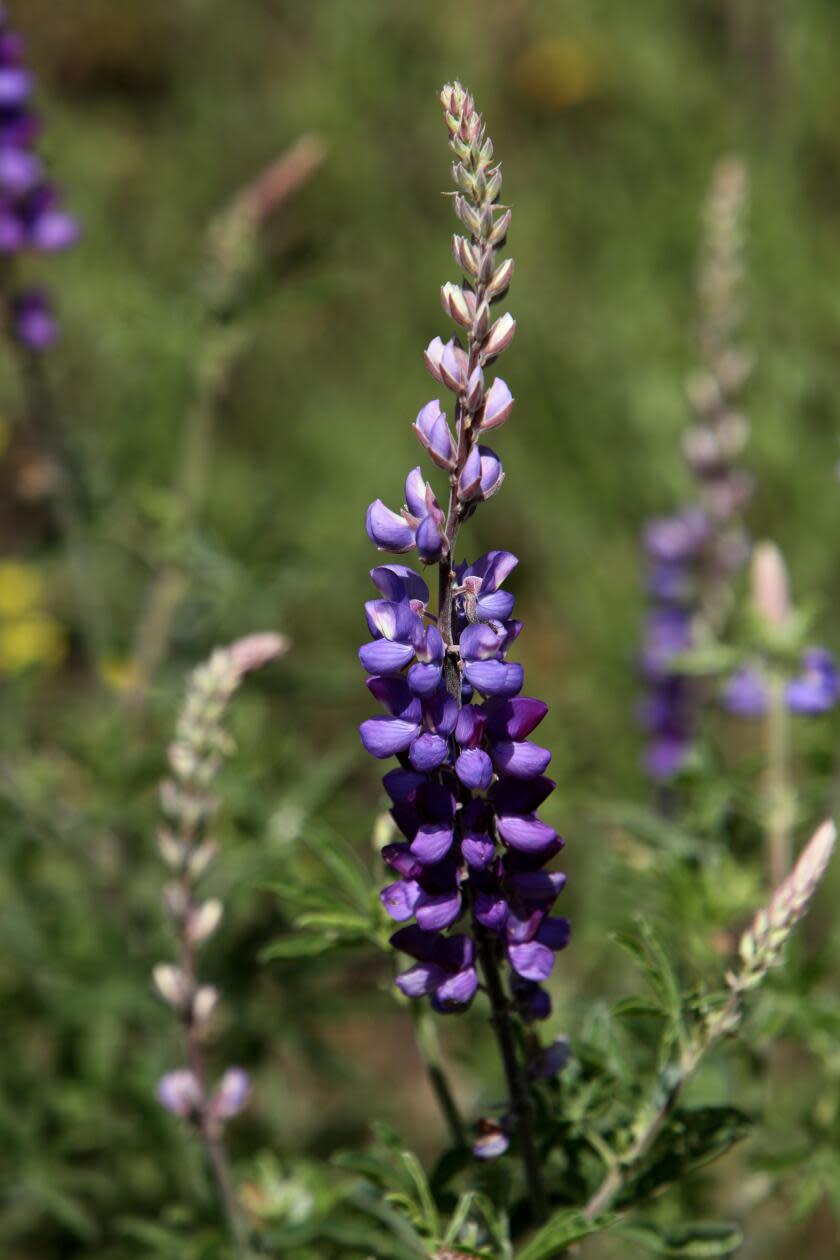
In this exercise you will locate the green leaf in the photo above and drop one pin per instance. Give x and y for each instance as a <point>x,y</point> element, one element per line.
<point>694,1239</point>
<point>562,1230</point>
<point>647,952</point>
<point>335,921</point>
<point>415,1171</point>
<point>297,946</point>
<point>692,1137</point>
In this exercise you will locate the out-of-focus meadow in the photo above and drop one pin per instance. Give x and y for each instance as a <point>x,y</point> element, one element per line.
<point>609,119</point>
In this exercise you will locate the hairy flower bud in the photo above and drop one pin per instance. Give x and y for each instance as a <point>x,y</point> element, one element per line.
<point>501,335</point>
<point>172,985</point>
<point>769,582</point>
<point>500,282</point>
<point>204,920</point>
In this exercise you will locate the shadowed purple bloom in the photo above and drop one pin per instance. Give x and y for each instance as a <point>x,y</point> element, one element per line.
<point>180,1093</point>
<point>745,693</point>
<point>814,691</point>
<point>30,215</point>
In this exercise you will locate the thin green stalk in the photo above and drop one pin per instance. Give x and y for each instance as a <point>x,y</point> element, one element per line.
<point>779,797</point>
<point>428,1045</point>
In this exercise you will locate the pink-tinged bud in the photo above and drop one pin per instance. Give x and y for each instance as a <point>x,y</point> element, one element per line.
<point>432,356</point>
<point>430,540</point>
<point>501,335</point>
<point>255,650</point>
<point>176,900</point>
<point>231,1094</point>
<point>465,255</point>
<point>486,153</point>
<point>201,858</point>
<point>457,303</point>
<point>500,228</point>
<point>433,433</point>
<point>204,1004</point>
<point>204,920</point>
<point>468,215</point>
<point>500,283</point>
<point>494,184</point>
<point>497,405</point>
<point>453,367</point>
<point>475,390</point>
<point>487,263</point>
<point>171,984</point>
<point>180,1093</point>
<point>171,849</point>
<point>769,583</point>
<point>482,322</point>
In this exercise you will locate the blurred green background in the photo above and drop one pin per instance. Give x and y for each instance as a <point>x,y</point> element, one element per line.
<point>609,118</point>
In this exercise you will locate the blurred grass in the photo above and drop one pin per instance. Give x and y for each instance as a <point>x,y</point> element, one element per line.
<point>609,119</point>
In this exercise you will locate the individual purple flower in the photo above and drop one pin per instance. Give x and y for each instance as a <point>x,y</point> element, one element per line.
<point>817,688</point>
<point>180,1093</point>
<point>745,693</point>
<point>31,217</point>
<point>230,1095</point>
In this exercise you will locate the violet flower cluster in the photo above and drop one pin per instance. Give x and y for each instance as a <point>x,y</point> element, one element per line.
<point>187,849</point>
<point>692,556</point>
<point>31,217</point>
<point>472,883</point>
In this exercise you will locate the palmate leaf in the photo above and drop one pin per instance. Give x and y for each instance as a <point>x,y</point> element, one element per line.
<point>693,1239</point>
<point>650,956</point>
<point>563,1229</point>
<point>692,1137</point>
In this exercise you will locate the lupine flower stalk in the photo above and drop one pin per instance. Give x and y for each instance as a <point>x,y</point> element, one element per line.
<point>780,679</point>
<point>760,950</point>
<point>187,848</point>
<point>693,555</point>
<point>31,217</point>
<point>473,892</point>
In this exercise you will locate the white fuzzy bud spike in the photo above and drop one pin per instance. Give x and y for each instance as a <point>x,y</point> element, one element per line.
<point>769,582</point>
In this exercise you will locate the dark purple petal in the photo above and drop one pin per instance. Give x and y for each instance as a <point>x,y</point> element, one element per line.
<point>397,582</point>
<point>402,784</point>
<point>432,842</point>
<point>459,989</point>
<point>435,912</point>
<point>454,953</point>
<point>478,850</point>
<point>416,943</point>
<point>481,641</point>
<point>400,857</point>
<point>495,678</point>
<point>526,833</point>
<point>475,769</point>
<point>387,530</point>
<point>555,933</point>
<point>514,719</point>
<point>539,886</point>
<point>428,751</point>
<point>470,726</point>
<point>520,796</point>
<point>520,759</point>
<point>384,736</point>
<point>419,980</point>
<point>384,657</point>
<point>400,899</point>
<point>532,960</point>
<point>395,694</point>
<point>523,925</point>
<point>491,911</point>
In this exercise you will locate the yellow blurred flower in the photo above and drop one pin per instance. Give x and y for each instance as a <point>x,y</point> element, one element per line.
<point>118,672</point>
<point>35,639</point>
<point>21,588</point>
<point>557,73</point>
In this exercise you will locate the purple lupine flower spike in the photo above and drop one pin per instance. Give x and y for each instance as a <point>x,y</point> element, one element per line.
<point>31,217</point>
<point>472,892</point>
<point>692,556</point>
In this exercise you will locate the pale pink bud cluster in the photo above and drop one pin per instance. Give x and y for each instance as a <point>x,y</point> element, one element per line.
<point>195,756</point>
<point>762,945</point>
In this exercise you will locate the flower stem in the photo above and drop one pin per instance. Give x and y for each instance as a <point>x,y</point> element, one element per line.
<point>517,1082</point>
<point>429,1047</point>
<point>777,790</point>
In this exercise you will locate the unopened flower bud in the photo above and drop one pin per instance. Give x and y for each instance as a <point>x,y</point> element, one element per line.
<point>255,650</point>
<point>432,356</point>
<point>494,184</point>
<point>171,984</point>
<point>180,1093</point>
<point>501,335</point>
<point>498,403</point>
<point>467,215</point>
<point>769,582</point>
<point>458,303</point>
<point>475,390</point>
<point>171,849</point>
<point>204,920</point>
<point>500,282</point>
<point>453,367</point>
<point>176,900</point>
<point>500,228</point>
<point>231,1095</point>
<point>433,433</point>
<point>204,1003</point>
<point>201,858</point>
<point>465,255</point>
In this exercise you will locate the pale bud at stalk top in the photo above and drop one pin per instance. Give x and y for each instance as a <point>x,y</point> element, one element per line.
<point>769,584</point>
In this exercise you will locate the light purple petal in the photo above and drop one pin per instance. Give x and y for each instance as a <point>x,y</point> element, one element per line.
<point>419,980</point>
<point>475,769</point>
<point>384,657</point>
<point>495,678</point>
<point>520,759</point>
<point>514,718</point>
<point>435,912</point>
<point>532,960</point>
<point>459,989</point>
<point>385,736</point>
<point>428,751</point>
<point>528,834</point>
<point>432,842</point>
<point>400,899</point>
<point>387,530</point>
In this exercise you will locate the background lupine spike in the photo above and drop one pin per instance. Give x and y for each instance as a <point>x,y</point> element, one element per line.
<point>762,944</point>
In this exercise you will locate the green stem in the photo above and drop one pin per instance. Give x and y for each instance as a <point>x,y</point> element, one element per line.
<point>778,791</point>
<point>429,1047</point>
